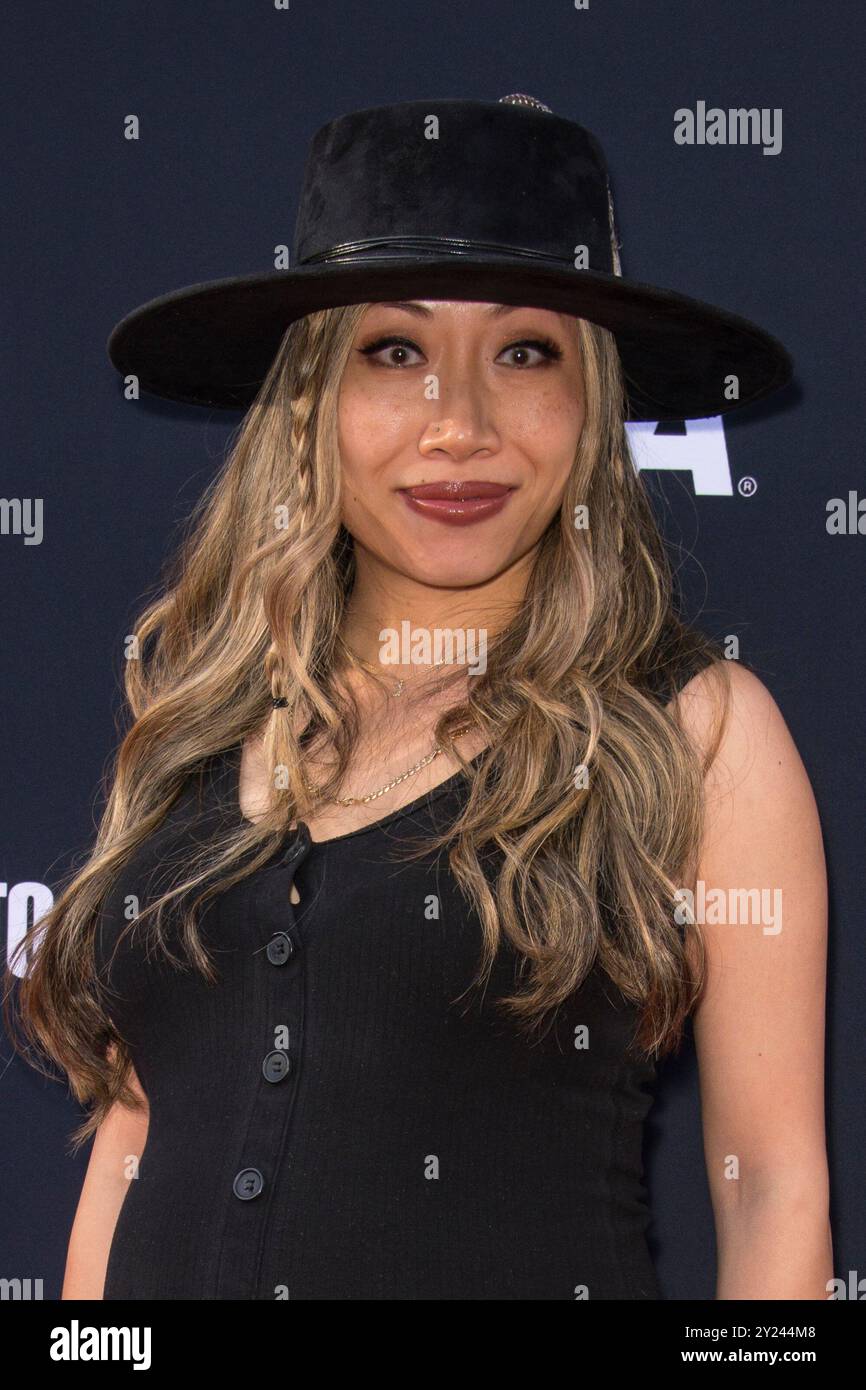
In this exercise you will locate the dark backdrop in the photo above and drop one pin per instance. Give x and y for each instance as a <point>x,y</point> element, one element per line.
<point>228,96</point>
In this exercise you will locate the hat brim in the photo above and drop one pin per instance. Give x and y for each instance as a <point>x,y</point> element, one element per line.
<point>212,344</point>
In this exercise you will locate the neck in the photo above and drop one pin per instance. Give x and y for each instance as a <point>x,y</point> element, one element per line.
<point>390,615</point>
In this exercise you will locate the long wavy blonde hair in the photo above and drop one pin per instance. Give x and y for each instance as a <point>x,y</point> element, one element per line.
<point>251,610</point>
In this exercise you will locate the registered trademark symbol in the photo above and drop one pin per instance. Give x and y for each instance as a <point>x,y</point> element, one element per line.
<point>747,487</point>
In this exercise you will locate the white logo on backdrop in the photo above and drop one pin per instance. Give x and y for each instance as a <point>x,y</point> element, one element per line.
<point>26,903</point>
<point>701,451</point>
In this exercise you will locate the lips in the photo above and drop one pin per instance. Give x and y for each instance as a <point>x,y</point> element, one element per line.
<point>462,491</point>
<point>453,503</point>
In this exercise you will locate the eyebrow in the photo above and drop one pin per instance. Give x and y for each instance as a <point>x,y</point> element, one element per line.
<point>421,310</point>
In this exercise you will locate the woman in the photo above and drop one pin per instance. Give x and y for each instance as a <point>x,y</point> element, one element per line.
<point>367,977</point>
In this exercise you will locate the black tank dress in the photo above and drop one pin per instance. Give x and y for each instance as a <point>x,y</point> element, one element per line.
<point>325,1122</point>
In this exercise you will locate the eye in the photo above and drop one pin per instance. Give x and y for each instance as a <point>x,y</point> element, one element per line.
<point>398,351</point>
<point>548,349</point>
<point>392,344</point>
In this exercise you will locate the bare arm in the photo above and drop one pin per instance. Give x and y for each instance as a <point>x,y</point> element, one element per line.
<point>119,1139</point>
<point>759,1029</point>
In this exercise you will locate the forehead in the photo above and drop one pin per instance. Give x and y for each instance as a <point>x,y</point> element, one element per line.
<point>466,309</point>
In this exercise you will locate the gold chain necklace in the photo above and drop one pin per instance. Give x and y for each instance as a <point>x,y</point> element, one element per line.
<point>315,790</point>
<point>371,796</point>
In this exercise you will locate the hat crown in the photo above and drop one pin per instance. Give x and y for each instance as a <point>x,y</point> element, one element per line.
<point>427,177</point>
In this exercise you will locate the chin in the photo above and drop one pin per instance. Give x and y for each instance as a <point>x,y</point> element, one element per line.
<point>439,573</point>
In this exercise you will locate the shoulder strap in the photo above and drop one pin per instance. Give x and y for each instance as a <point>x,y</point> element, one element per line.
<point>665,681</point>
<point>206,790</point>
<point>219,776</point>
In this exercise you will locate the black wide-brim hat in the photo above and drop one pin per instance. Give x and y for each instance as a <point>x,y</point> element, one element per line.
<point>499,202</point>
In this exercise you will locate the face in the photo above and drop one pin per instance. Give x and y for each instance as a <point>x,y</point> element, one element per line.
<point>443,402</point>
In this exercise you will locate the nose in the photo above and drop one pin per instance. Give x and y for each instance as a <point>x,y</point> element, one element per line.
<point>464,430</point>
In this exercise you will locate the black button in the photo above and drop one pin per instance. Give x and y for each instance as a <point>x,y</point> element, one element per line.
<point>248,1184</point>
<point>280,948</point>
<point>276,1065</point>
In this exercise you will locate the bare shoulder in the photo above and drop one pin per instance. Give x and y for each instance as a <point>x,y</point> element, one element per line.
<point>728,710</point>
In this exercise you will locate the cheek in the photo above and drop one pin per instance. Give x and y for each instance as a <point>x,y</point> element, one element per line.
<point>370,431</point>
<point>370,436</point>
<point>547,428</point>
